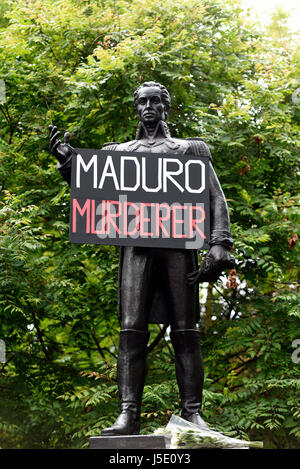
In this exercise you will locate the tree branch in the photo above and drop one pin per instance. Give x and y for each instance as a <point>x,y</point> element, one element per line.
<point>98,346</point>
<point>157,338</point>
<point>40,336</point>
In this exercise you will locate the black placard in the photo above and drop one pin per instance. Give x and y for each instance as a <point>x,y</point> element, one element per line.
<point>139,199</point>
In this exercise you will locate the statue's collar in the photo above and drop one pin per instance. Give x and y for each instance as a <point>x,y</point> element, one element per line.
<point>161,129</point>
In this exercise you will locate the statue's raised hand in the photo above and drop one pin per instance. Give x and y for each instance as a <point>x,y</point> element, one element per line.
<point>62,151</point>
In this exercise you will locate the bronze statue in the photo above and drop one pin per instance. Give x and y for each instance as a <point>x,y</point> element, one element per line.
<point>160,285</point>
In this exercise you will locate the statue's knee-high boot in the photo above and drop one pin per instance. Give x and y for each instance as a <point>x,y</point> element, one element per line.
<point>131,370</point>
<point>189,372</point>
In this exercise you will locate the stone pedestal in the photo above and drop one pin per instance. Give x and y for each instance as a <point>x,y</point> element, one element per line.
<point>131,442</point>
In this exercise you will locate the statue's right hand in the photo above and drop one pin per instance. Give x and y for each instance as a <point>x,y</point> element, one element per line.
<point>62,151</point>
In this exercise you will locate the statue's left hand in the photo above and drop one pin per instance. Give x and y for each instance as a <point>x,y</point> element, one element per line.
<point>216,260</point>
<point>61,151</point>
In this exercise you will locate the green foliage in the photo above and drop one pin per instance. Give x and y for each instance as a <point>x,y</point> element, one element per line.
<point>278,28</point>
<point>76,64</point>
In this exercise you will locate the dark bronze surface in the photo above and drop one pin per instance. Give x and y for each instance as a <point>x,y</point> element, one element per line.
<point>174,298</point>
<point>131,442</point>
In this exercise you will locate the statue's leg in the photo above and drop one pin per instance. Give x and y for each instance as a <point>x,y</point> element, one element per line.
<point>189,372</point>
<point>131,377</point>
<point>134,335</point>
<point>184,335</point>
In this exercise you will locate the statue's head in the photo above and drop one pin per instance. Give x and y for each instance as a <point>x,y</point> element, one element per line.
<point>152,102</point>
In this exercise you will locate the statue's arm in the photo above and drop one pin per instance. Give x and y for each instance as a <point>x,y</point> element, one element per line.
<point>65,169</point>
<point>219,214</point>
<point>218,257</point>
<point>63,152</point>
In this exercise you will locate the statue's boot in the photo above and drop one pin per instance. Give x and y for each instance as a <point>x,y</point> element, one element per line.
<point>131,370</point>
<point>189,372</point>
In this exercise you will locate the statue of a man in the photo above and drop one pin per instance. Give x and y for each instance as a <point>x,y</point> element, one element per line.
<point>160,285</point>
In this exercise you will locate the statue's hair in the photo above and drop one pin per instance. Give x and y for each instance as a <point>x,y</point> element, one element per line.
<point>165,96</point>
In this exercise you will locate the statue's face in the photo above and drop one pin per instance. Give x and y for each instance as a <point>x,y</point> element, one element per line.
<point>150,108</point>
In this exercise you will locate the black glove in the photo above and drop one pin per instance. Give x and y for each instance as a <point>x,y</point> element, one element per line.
<point>62,151</point>
<point>215,261</point>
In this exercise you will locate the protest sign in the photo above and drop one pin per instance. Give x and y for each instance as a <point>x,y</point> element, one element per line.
<point>139,199</point>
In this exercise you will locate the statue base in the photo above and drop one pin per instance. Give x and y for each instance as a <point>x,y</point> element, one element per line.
<point>131,442</point>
